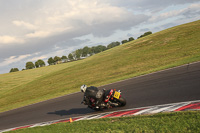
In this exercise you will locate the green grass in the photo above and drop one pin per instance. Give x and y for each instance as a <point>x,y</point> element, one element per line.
<point>178,122</point>
<point>172,47</point>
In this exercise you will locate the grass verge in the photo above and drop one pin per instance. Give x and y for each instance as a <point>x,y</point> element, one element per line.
<point>183,122</point>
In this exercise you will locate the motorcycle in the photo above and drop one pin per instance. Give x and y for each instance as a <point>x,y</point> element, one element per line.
<point>111,98</point>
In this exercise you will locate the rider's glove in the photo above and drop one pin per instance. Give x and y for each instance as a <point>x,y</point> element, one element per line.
<point>83,102</point>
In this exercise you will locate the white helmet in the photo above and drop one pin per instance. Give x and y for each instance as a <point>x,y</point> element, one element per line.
<point>83,88</point>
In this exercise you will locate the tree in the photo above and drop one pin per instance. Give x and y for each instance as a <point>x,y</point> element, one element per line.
<point>37,64</point>
<point>50,61</point>
<point>117,43</point>
<point>131,39</point>
<point>110,46</point>
<point>30,65</point>
<point>90,52</point>
<point>70,56</point>
<point>14,70</point>
<point>124,41</point>
<point>40,63</point>
<point>93,50</point>
<point>78,54</point>
<point>145,34</point>
<point>101,48</point>
<point>85,51</point>
<point>74,55</point>
<point>113,44</point>
<point>56,59</point>
<point>64,58</point>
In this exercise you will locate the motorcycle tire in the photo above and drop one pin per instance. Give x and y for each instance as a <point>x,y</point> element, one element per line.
<point>122,101</point>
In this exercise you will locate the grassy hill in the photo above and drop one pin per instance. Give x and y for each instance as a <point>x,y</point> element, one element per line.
<point>172,47</point>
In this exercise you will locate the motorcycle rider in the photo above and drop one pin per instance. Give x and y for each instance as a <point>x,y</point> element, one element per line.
<point>94,93</point>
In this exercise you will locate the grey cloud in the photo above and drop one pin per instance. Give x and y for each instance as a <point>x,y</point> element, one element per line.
<point>164,26</point>
<point>149,5</point>
<point>34,46</point>
<point>144,30</point>
<point>66,39</point>
<point>155,29</point>
<point>191,13</point>
<point>168,25</point>
<point>129,35</point>
<point>106,29</point>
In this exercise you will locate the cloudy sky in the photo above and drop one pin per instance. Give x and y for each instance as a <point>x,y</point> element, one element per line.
<point>40,29</point>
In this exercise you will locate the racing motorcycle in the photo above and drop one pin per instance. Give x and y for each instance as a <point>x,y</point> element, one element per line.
<point>111,98</point>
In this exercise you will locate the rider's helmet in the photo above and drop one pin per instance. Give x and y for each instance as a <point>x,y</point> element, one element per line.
<point>83,88</point>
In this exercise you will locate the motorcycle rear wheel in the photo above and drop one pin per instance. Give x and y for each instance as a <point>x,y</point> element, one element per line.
<point>122,101</point>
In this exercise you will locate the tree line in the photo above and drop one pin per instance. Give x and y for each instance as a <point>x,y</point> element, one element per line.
<point>76,55</point>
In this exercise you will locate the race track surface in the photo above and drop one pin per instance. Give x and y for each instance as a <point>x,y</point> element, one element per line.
<point>170,86</point>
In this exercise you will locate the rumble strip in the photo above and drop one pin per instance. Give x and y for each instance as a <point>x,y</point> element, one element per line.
<point>183,106</point>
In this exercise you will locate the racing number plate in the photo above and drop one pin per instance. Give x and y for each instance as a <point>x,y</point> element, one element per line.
<point>116,95</point>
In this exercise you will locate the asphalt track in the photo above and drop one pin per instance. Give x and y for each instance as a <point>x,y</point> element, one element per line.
<point>179,84</point>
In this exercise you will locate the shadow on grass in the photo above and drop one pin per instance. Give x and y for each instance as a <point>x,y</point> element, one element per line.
<point>72,111</point>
